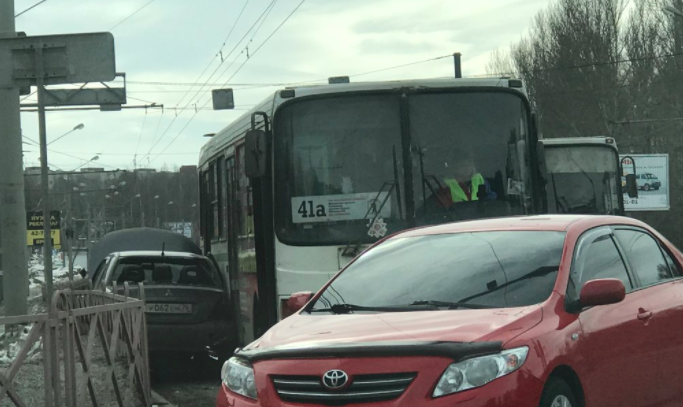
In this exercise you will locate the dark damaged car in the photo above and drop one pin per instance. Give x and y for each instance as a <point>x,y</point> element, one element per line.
<point>187,301</point>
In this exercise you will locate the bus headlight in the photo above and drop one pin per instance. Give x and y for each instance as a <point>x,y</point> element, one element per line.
<point>476,372</point>
<point>238,376</point>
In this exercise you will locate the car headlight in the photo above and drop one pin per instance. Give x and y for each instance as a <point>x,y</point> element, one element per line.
<point>476,372</point>
<point>238,376</point>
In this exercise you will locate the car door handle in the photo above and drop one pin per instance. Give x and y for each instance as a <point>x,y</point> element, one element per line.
<point>643,315</point>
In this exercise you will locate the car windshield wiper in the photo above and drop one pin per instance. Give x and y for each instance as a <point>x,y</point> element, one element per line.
<point>451,305</point>
<point>350,308</point>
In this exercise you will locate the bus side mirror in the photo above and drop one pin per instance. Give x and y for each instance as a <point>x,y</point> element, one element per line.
<point>631,186</point>
<point>297,301</point>
<point>255,153</point>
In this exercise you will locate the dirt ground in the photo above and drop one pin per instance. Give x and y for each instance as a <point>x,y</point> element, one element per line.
<point>184,381</point>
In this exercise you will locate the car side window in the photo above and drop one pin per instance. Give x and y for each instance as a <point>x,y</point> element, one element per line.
<point>602,260</point>
<point>673,265</point>
<point>645,256</point>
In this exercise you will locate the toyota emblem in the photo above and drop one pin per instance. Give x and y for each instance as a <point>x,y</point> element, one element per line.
<point>335,379</point>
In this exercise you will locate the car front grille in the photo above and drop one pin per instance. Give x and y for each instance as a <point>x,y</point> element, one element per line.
<point>363,388</point>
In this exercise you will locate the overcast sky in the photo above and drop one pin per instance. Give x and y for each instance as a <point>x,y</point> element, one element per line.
<point>173,41</point>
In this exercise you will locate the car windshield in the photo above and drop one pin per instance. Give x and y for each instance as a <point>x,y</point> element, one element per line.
<point>481,269</point>
<point>157,270</point>
<point>343,161</point>
<point>582,179</point>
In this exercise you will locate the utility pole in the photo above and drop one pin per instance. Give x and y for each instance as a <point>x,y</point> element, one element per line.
<point>12,205</point>
<point>88,231</point>
<point>69,233</point>
<point>457,65</point>
<point>45,178</point>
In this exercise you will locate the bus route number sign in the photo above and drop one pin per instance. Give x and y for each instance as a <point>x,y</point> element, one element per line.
<point>327,208</point>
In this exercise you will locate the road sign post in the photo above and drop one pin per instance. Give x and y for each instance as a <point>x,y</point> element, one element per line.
<point>47,60</point>
<point>12,203</point>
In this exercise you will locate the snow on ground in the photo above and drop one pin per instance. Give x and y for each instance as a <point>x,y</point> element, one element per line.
<point>36,273</point>
<point>13,340</point>
<point>31,374</point>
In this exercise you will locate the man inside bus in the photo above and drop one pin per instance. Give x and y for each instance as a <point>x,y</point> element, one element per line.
<point>463,181</point>
<point>365,166</point>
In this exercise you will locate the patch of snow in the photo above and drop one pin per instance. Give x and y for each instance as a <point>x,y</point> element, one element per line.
<point>13,341</point>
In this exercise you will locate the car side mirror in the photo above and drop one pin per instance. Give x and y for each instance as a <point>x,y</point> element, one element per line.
<point>631,186</point>
<point>83,273</point>
<point>255,153</point>
<point>297,301</point>
<point>602,292</point>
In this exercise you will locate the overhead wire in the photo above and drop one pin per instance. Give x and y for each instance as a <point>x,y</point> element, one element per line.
<point>220,52</point>
<point>142,100</point>
<point>30,8</point>
<point>230,53</point>
<point>131,15</point>
<point>155,143</point>
<point>236,72</point>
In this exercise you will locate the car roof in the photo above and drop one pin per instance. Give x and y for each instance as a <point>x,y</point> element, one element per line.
<point>157,253</point>
<point>557,223</point>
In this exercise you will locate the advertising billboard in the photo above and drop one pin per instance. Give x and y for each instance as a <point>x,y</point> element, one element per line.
<point>652,179</point>
<point>34,229</point>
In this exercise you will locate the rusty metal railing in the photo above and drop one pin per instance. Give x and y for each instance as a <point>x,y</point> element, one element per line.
<point>83,322</point>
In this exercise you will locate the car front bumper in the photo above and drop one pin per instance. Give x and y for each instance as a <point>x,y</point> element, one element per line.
<point>518,389</point>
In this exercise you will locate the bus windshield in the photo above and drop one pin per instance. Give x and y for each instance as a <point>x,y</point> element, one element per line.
<point>582,179</point>
<point>425,158</point>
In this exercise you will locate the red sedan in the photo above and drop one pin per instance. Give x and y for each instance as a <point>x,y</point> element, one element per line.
<point>552,311</point>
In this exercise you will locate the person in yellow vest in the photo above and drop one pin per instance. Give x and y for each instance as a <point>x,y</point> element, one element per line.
<point>465,183</point>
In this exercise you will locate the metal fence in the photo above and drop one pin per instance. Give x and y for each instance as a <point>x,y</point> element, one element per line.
<point>62,346</point>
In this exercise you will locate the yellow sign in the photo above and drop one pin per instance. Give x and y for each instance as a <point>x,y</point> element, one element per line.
<point>36,238</point>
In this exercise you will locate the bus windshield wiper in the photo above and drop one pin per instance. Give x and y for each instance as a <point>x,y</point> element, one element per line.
<point>352,248</point>
<point>350,308</point>
<point>451,305</point>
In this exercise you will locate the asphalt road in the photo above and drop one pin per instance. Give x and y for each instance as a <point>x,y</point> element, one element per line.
<point>185,381</point>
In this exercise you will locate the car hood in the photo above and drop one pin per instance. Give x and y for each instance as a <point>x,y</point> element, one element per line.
<point>306,330</point>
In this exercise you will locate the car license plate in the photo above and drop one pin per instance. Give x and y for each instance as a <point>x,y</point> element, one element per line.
<point>168,308</point>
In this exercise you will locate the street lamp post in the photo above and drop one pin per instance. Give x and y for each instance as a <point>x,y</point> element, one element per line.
<point>95,158</point>
<point>79,126</point>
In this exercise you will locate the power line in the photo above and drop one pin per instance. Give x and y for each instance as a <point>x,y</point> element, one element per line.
<point>230,53</point>
<point>66,154</point>
<point>404,65</point>
<point>142,100</point>
<point>155,143</point>
<point>265,13</point>
<point>236,72</point>
<point>30,8</point>
<point>131,15</point>
<point>220,52</point>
